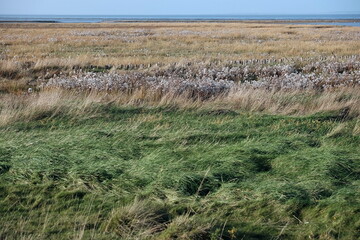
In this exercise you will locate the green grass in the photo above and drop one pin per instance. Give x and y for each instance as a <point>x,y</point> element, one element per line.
<point>165,173</point>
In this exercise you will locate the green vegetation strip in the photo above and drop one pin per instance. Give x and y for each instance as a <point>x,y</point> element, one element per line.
<point>164,173</point>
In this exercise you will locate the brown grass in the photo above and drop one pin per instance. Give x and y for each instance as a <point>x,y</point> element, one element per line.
<point>57,102</point>
<point>32,47</point>
<point>31,51</point>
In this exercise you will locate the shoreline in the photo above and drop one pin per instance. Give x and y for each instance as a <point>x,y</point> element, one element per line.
<point>30,21</point>
<point>268,21</point>
<point>242,21</point>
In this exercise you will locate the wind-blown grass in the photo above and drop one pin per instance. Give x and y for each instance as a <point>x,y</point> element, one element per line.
<point>167,172</point>
<point>179,131</point>
<point>74,104</point>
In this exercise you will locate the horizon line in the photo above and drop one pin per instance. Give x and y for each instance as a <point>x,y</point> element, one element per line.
<point>182,14</point>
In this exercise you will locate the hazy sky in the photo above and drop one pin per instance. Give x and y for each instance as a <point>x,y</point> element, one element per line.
<point>164,7</point>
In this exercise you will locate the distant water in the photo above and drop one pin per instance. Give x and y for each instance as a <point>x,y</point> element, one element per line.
<point>352,24</point>
<point>109,18</point>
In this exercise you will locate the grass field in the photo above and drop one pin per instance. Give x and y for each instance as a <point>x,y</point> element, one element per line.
<point>179,131</point>
<point>30,50</point>
<point>168,173</point>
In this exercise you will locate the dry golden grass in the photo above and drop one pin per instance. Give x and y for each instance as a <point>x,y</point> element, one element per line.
<point>67,45</point>
<point>55,102</point>
<point>293,102</point>
<point>29,51</point>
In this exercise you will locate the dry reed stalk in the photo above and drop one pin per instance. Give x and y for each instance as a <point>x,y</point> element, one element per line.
<point>53,102</point>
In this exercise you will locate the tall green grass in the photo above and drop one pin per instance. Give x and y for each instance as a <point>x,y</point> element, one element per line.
<point>168,173</point>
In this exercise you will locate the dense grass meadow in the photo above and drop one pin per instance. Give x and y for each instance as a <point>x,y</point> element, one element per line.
<point>195,131</point>
<point>120,172</point>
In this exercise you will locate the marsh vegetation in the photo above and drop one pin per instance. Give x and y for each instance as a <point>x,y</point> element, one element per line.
<point>179,131</point>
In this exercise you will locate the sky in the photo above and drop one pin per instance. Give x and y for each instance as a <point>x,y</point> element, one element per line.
<point>173,7</point>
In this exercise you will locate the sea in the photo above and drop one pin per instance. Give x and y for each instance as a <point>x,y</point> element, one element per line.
<point>353,19</point>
